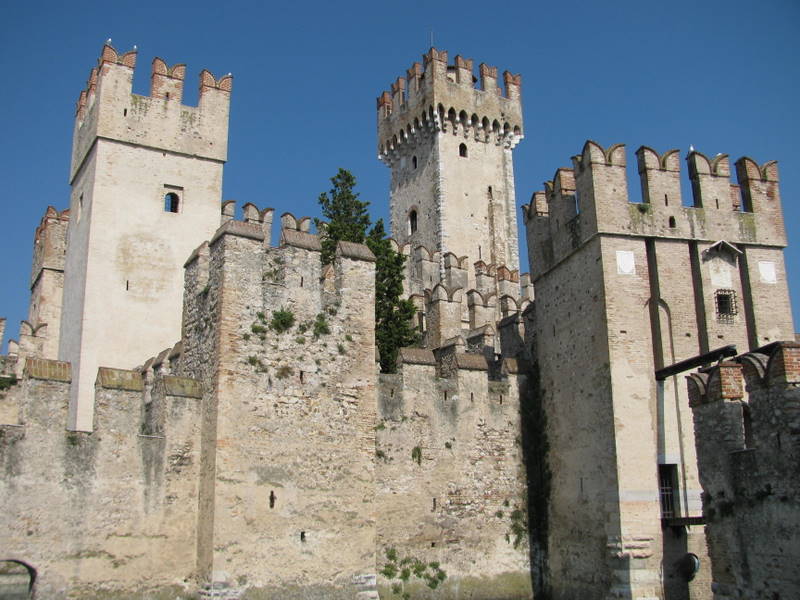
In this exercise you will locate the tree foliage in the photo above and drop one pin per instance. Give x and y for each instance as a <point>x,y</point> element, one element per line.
<point>348,220</point>
<point>393,314</point>
<point>345,216</point>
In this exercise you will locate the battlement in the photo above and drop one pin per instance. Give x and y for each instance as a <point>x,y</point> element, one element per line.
<point>592,197</point>
<point>107,108</point>
<point>747,431</point>
<point>49,243</point>
<point>743,396</point>
<point>437,97</point>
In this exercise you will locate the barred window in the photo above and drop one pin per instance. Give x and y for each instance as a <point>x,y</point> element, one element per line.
<point>667,488</point>
<point>726,305</point>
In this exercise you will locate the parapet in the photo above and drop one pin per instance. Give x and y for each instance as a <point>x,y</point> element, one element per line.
<point>107,108</point>
<point>439,97</point>
<point>747,402</point>
<point>49,243</point>
<point>592,197</point>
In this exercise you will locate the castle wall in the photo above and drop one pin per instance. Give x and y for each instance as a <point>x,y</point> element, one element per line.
<point>124,280</point>
<point>665,269</point>
<point>747,457</point>
<point>109,514</point>
<point>450,477</point>
<point>287,488</point>
<point>579,441</point>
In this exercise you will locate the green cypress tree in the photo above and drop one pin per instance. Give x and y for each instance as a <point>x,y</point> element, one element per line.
<point>346,217</point>
<point>393,329</point>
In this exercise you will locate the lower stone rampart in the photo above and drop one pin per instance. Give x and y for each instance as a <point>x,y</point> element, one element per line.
<point>747,431</point>
<point>450,476</point>
<point>110,513</point>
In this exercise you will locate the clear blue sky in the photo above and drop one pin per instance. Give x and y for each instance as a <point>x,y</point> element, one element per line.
<point>722,76</point>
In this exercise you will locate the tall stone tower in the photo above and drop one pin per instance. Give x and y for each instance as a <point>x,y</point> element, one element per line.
<point>146,181</point>
<point>449,146</point>
<point>625,290</point>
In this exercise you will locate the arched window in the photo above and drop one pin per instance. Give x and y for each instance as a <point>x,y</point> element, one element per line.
<point>172,202</point>
<point>672,223</point>
<point>462,151</point>
<point>412,221</point>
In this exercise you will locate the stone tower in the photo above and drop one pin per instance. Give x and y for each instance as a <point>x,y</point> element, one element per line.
<point>146,181</point>
<point>623,291</point>
<point>449,146</point>
<point>47,281</point>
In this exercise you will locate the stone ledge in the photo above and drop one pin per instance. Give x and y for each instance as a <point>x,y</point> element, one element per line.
<point>252,231</point>
<point>471,362</point>
<point>356,251</point>
<point>300,239</point>
<point>42,368</point>
<point>183,387</point>
<point>119,379</point>
<point>416,356</point>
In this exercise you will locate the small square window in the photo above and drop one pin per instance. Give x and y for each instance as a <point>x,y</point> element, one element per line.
<point>726,305</point>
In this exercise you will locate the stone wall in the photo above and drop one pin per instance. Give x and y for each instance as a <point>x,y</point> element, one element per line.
<point>450,475</point>
<point>110,513</point>
<point>747,418</point>
<point>287,487</point>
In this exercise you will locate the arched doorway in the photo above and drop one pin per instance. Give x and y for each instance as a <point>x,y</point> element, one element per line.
<point>16,580</point>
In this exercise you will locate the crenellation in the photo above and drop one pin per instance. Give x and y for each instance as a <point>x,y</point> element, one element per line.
<point>167,82</point>
<point>527,447</point>
<point>567,214</point>
<point>227,211</point>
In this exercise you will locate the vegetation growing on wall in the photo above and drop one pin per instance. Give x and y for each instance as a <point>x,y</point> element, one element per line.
<point>282,320</point>
<point>399,571</point>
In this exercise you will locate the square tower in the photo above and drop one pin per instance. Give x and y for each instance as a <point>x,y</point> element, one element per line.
<point>146,181</point>
<point>449,146</point>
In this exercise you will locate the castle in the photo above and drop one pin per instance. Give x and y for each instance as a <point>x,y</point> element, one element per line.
<point>190,412</point>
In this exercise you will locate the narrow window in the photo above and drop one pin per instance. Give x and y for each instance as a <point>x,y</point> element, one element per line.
<point>725,301</point>
<point>391,393</point>
<point>127,284</point>
<point>479,253</point>
<point>667,487</point>
<point>747,421</point>
<point>172,202</point>
<point>413,162</point>
<point>490,193</point>
<point>412,221</point>
<point>272,498</point>
<point>472,397</point>
<point>302,536</point>
<point>672,222</point>
<point>166,95</point>
<point>434,504</point>
<point>445,395</point>
<point>301,377</point>
<point>717,201</point>
<point>125,112</point>
<point>666,200</point>
<point>462,151</point>
<point>501,398</point>
<point>301,281</point>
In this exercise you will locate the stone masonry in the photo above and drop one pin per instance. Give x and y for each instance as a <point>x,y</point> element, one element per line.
<point>246,445</point>
<point>747,420</point>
